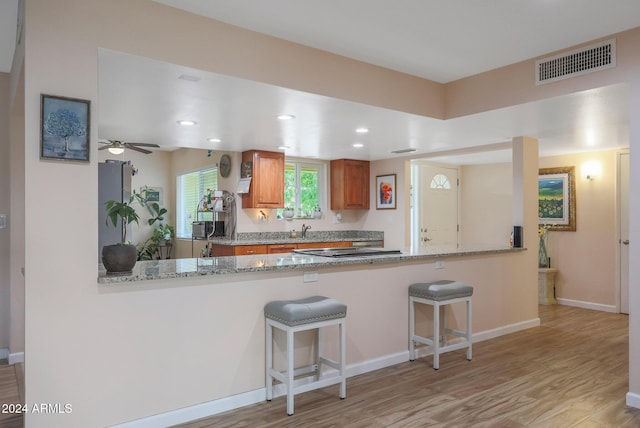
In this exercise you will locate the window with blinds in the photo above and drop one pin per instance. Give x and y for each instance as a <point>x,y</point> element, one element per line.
<point>190,188</point>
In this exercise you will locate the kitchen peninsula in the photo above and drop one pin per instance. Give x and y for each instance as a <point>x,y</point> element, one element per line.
<point>226,265</point>
<point>214,307</point>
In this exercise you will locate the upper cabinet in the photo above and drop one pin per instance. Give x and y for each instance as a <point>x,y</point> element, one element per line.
<point>349,184</point>
<point>267,179</point>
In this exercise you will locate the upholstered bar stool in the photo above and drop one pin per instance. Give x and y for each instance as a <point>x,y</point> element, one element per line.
<point>439,294</point>
<point>292,316</point>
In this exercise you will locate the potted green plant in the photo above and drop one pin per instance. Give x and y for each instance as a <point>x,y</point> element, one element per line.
<point>119,259</point>
<point>162,234</point>
<point>288,212</point>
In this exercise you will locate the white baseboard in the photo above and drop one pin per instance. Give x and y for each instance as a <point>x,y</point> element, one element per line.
<point>17,357</point>
<point>211,408</point>
<point>633,400</point>
<point>507,329</point>
<point>4,353</point>
<point>198,411</point>
<point>587,305</point>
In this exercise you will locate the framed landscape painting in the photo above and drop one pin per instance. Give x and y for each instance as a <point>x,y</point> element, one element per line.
<point>557,198</point>
<point>64,128</point>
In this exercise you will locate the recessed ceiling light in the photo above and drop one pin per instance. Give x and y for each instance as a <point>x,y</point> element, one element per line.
<point>362,130</point>
<point>186,122</point>
<point>215,140</point>
<point>283,147</point>
<point>286,117</point>
<point>358,145</point>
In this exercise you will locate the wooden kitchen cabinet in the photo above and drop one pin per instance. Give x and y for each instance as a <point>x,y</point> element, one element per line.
<point>303,245</point>
<point>281,248</point>
<point>218,250</point>
<point>267,179</point>
<point>287,248</point>
<point>349,184</point>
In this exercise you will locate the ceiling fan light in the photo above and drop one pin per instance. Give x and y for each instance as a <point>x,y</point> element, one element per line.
<point>116,150</point>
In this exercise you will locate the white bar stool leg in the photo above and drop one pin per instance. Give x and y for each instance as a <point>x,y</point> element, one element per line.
<point>469,356</point>
<point>319,353</point>
<point>443,332</point>
<point>343,360</point>
<point>412,330</point>
<point>269,359</point>
<point>289,379</point>
<point>436,335</point>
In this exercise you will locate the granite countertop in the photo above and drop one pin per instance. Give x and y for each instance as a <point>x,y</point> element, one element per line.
<point>194,267</point>
<point>275,238</point>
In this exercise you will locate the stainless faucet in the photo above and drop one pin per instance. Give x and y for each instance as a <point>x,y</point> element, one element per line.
<point>304,231</point>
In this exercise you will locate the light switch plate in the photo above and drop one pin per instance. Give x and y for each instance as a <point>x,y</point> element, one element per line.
<point>3,221</point>
<point>439,265</point>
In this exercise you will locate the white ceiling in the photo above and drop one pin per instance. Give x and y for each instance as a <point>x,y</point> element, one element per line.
<point>408,36</point>
<point>441,40</point>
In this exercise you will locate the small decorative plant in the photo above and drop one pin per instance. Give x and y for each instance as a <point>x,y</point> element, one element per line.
<point>120,258</point>
<point>162,233</point>
<point>288,212</point>
<point>123,211</point>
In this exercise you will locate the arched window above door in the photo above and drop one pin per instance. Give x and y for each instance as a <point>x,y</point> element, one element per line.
<point>440,181</point>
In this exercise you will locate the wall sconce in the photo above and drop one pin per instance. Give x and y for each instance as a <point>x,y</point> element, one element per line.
<point>591,170</point>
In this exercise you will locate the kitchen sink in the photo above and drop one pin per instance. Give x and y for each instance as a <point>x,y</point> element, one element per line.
<point>346,252</point>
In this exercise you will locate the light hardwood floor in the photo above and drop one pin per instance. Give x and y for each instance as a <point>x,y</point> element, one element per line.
<point>572,371</point>
<point>11,392</point>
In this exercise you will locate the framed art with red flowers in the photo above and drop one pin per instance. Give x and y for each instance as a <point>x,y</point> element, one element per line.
<point>386,192</point>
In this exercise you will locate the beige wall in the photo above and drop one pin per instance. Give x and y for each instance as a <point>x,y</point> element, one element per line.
<point>586,258</point>
<point>5,295</point>
<point>515,84</point>
<point>486,204</point>
<point>127,352</point>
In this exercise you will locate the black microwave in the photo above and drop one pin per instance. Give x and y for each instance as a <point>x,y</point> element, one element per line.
<point>201,229</point>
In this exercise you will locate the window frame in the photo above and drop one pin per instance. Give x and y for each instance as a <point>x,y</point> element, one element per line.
<point>181,228</point>
<point>299,164</point>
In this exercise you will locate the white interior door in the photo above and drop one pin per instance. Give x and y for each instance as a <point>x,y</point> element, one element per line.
<point>624,232</point>
<point>435,207</point>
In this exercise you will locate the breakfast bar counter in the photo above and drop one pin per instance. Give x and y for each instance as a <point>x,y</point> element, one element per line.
<point>198,267</point>
<point>214,308</point>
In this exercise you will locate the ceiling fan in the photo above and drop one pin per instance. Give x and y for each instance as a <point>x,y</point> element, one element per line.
<point>117,147</point>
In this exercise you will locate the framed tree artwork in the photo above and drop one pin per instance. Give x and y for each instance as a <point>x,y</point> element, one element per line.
<point>64,128</point>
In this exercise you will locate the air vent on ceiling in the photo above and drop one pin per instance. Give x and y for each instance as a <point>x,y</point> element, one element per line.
<point>409,150</point>
<point>588,59</point>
